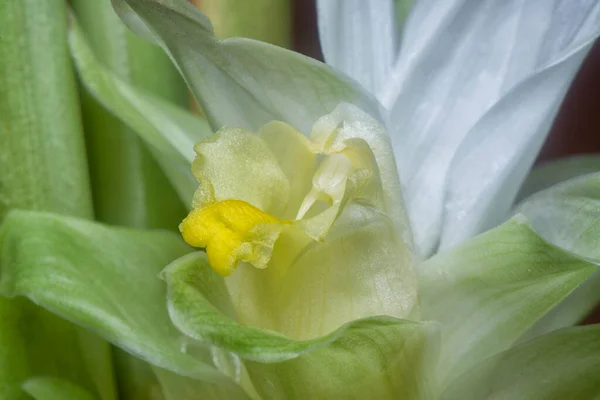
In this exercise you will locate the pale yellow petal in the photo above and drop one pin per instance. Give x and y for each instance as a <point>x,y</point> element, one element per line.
<point>297,159</point>
<point>361,269</point>
<point>235,164</point>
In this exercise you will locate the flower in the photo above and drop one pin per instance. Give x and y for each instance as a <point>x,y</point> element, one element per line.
<point>297,212</point>
<point>337,306</point>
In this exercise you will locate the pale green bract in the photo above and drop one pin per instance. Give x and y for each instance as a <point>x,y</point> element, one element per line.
<point>521,373</point>
<point>353,361</point>
<point>554,172</point>
<point>226,76</point>
<point>61,263</point>
<point>568,214</point>
<point>340,321</point>
<point>144,113</point>
<point>45,255</point>
<point>490,290</point>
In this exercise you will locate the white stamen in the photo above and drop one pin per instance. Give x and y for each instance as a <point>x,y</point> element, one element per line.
<point>329,181</point>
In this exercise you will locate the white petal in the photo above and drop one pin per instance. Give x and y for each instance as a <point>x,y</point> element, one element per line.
<point>494,159</point>
<point>460,59</point>
<point>359,38</point>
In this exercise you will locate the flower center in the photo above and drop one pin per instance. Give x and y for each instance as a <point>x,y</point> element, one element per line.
<point>256,187</point>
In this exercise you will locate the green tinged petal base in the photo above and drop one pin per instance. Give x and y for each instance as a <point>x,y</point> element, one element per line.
<point>379,356</point>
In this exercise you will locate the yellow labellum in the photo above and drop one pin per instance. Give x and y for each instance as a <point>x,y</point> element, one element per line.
<point>232,230</point>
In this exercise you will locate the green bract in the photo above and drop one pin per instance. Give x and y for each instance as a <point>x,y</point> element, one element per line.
<point>146,114</point>
<point>227,76</point>
<point>60,264</point>
<point>529,371</point>
<point>384,356</point>
<point>568,214</point>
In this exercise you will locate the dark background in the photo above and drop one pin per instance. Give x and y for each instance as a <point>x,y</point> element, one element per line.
<point>577,125</point>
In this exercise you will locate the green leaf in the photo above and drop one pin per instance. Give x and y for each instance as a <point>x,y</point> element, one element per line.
<point>169,131</point>
<point>128,186</point>
<point>42,167</point>
<point>568,215</point>
<point>561,365</point>
<point>48,388</point>
<point>490,290</point>
<point>403,8</point>
<point>241,82</point>
<point>378,357</point>
<point>99,277</point>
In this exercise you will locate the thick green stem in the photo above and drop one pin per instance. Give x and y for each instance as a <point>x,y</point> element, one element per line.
<point>42,167</point>
<point>43,163</point>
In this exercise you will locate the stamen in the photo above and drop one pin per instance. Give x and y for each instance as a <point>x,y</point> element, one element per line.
<point>328,183</point>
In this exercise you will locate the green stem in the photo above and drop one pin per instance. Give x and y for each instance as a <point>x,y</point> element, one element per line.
<point>42,167</point>
<point>128,186</point>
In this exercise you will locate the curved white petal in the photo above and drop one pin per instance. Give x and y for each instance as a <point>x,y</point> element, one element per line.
<point>461,60</point>
<point>360,38</point>
<point>494,159</point>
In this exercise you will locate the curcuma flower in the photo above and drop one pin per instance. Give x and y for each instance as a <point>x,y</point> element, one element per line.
<point>319,298</point>
<point>312,222</point>
<point>309,285</point>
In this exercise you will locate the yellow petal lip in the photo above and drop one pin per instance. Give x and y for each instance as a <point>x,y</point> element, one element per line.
<point>232,231</point>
